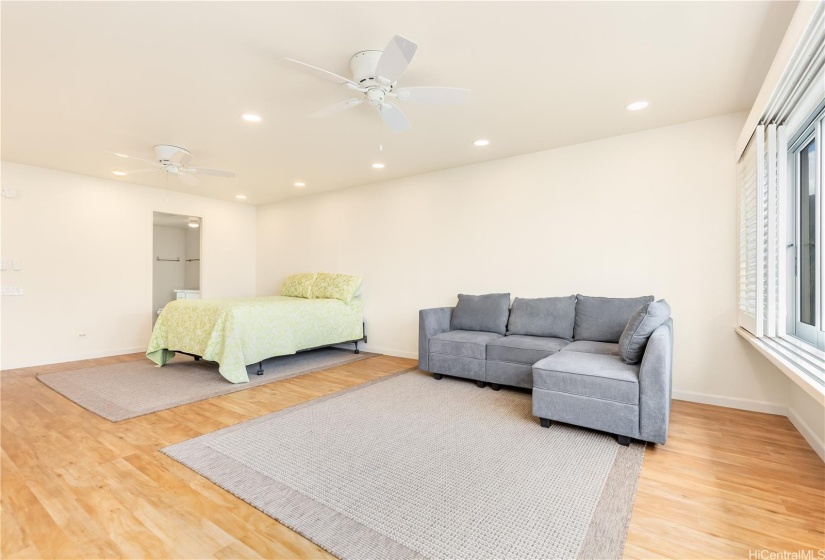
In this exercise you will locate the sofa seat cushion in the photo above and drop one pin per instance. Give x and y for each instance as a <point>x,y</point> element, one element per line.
<point>590,347</point>
<point>469,344</point>
<point>521,349</point>
<point>596,376</point>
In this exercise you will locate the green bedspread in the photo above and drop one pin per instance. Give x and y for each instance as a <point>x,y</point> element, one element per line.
<point>237,332</point>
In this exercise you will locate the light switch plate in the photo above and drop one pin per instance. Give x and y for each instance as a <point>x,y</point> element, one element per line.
<point>2,264</point>
<point>15,264</point>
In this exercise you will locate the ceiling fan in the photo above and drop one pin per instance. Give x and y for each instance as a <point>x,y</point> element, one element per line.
<point>174,160</point>
<point>374,74</point>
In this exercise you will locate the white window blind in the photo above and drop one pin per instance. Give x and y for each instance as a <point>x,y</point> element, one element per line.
<point>751,245</point>
<point>759,233</point>
<point>770,234</point>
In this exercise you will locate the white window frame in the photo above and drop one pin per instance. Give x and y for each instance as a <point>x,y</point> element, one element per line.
<point>810,126</point>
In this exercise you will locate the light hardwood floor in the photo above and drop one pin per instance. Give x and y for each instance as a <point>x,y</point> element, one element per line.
<point>73,485</point>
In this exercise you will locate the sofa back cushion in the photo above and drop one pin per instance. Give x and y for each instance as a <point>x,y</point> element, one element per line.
<point>551,317</point>
<point>481,313</point>
<point>641,325</point>
<point>603,319</point>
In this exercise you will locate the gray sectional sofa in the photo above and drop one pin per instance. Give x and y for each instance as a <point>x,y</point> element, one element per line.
<point>600,363</point>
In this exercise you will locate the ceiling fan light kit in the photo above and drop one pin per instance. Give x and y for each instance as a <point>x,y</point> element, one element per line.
<point>375,75</point>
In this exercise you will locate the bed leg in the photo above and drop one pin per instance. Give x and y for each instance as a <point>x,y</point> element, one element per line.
<point>260,368</point>
<point>357,351</point>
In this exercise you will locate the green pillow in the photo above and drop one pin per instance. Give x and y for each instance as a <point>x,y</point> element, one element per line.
<point>299,285</point>
<point>336,286</point>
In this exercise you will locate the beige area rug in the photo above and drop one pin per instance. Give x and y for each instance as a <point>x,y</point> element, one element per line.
<point>121,391</point>
<point>411,467</point>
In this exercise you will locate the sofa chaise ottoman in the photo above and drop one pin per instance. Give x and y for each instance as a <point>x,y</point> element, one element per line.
<point>599,363</point>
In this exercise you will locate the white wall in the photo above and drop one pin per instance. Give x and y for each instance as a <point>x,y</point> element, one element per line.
<point>647,213</point>
<point>167,275</point>
<point>85,246</point>
<point>192,272</point>
<point>808,416</point>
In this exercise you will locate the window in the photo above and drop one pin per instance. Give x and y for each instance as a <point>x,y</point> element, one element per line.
<point>781,299</point>
<point>805,313</point>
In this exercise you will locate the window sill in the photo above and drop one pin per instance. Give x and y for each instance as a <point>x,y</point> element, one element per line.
<point>806,372</point>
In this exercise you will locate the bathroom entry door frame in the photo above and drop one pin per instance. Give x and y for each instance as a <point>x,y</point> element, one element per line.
<point>151,257</point>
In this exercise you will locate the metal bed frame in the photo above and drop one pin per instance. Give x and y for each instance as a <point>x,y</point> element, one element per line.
<point>260,370</point>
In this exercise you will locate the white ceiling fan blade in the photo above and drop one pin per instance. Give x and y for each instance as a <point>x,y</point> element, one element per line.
<point>337,108</point>
<point>132,171</point>
<point>318,72</point>
<point>434,95</point>
<point>156,164</point>
<point>395,59</point>
<point>207,171</point>
<point>181,157</point>
<point>188,179</point>
<point>394,117</point>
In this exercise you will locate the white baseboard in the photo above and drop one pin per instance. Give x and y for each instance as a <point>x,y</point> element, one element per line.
<point>806,431</point>
<point>732,402</point>
<point>703,398</point>
<point>391,352</point>
<point>77,357</point>
<point>107,353</point>
<point>758,406</point>
<point>379,350</point>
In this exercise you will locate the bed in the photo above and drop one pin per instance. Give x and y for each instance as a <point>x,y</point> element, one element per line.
<point>239,332</point>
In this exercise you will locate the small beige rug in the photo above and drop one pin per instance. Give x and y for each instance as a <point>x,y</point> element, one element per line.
<point>411,467</point>
<point>121,391</point>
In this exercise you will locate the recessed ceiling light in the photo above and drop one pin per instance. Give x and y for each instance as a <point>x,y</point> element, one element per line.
<point>299,184</point>
<point>378,165</point>
<point>481,142</point>
<point>119,173</point>
<point>240,196</point>
<point>249,117</point>
<point>636,105</point>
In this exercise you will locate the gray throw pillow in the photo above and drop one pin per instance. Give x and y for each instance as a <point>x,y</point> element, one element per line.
<point>641,325</point>
<point>551,317</point>
<point>481,313</point>
<point>602,319</point>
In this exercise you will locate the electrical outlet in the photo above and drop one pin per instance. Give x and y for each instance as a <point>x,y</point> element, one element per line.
<point>81,335</point>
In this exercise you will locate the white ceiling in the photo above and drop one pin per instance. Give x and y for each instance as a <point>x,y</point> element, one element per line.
<point>80,79</point>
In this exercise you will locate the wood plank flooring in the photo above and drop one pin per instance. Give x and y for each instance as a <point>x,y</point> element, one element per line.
<point>73,485</point>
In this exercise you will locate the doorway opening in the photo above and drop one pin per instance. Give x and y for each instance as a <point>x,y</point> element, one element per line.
<point>176,259</point>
